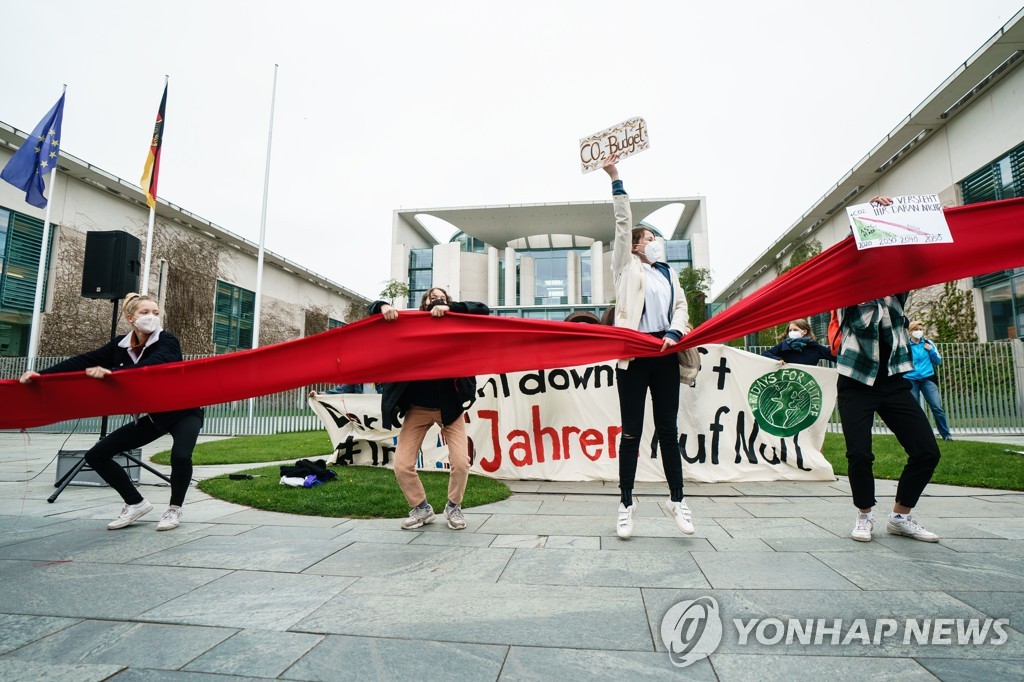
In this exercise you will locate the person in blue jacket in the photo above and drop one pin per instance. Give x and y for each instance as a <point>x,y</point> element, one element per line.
<point>922,378</point>
<point>800,347</point>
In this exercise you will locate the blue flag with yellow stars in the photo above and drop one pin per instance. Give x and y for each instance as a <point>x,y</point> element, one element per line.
<point>36,157</point>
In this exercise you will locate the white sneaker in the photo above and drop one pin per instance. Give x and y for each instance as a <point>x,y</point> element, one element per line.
<point>680,513</point>
<point>170,519</point>
<point>624,524</point>
<point>862,528</point>
<point>901,524</point>
<point>130,513</point>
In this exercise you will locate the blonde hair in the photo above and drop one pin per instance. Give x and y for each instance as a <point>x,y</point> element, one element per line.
<point>914,324</point>
<point>804,325</point>
<point>132,301</point>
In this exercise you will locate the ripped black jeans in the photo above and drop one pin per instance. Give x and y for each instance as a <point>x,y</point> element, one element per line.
<point>660,376</point>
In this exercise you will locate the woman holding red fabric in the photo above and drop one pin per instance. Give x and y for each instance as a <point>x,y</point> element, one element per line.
<point>650,300</point>
<point>423,404</point>
<point>147,344</point>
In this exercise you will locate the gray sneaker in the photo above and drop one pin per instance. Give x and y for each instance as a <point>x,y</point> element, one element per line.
<point>418,517</point>
<point>130,513</point>
<point>456,521</point>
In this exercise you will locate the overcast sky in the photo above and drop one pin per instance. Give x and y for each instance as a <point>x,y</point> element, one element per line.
<point>759,106</point>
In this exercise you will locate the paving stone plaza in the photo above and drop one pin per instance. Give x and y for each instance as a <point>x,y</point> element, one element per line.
<point>537,586</point>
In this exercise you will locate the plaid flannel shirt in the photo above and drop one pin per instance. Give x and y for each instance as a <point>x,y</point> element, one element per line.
<point>862,325</point>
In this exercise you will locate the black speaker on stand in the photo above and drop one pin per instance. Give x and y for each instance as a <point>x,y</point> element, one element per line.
<point>111,271</point>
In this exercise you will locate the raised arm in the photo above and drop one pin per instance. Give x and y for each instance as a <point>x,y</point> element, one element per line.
<point>622,244</point>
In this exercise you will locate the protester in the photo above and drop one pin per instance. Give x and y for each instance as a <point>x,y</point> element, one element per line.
<point>147,344</point>
<point>425,403</point>
<point>872,361</point>
<point>800,347</point>
<point>922,378</point>
<point>648,299</point>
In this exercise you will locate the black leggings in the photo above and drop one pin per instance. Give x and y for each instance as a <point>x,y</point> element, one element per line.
<point>660,376</point>
<point>184,430</point>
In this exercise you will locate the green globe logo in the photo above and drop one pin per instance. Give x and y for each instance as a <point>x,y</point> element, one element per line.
<point>785,402</point>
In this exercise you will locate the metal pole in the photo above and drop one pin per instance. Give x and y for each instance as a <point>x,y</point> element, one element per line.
<point>263,231</point>
<point>37,300</point>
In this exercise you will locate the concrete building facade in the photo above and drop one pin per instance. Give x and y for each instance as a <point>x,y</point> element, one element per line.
<point>203,275</point>
<point>539,261</point>
<point>965,142</point>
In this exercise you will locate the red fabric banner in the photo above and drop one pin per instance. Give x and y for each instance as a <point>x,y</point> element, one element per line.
<point>987,237</point>
<point>416,346</point>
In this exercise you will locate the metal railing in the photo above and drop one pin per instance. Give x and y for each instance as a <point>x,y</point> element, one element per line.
<point>981,385</point>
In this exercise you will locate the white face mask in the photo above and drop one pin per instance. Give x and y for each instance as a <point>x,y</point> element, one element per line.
<point>147,323</point>
<point>917,334</point>
<point>655,252</point>
<point>796,335</point>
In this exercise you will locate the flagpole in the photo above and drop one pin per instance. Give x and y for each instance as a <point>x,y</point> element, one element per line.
<point>37,300</point>
<point>263,231</point>
<point>263,221</point>
<point>149,233</point>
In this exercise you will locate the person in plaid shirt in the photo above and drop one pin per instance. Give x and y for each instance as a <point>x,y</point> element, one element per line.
<point>874,356</point>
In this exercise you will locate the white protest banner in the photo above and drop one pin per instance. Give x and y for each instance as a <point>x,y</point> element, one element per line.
<point>625,139</point>
<point>914,219</point>
<point>748,419</point>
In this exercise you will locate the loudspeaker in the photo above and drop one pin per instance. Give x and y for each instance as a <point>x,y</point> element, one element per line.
<point>112,265</point>
<point>67,459</point>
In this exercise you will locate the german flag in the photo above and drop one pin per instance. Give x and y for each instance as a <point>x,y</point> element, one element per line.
<point>151,172</point>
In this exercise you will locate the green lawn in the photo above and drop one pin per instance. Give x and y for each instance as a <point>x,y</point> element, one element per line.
<point>254,449</point>
<point>359,492</point>
<point>965,463</point>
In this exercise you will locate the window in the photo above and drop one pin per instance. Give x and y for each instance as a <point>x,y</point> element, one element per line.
<point>421,274</point>
<point>1001,179</point>
<point>232,318</point>
<point>677,253</point>
<point>21,239</point>
<point>333,323</point>
<point>469,244</point>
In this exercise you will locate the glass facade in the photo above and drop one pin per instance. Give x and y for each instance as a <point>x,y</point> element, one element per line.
<point>551,277</point>
<point>1002,292</point>
<point>421,264</point>
<point>1004,307</point>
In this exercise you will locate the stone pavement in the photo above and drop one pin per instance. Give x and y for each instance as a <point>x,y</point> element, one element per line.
<point>537,587</point>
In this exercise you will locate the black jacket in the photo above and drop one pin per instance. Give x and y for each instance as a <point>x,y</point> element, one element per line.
<point>458,394</point>
<point>115,358</point>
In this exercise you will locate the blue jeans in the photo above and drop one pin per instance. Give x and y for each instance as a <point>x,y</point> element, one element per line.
<point>931,396</point>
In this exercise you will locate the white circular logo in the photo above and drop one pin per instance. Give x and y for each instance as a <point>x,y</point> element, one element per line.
<point>691,630</point>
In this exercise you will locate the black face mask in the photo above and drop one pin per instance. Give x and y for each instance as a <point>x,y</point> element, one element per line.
<point>433,304</point>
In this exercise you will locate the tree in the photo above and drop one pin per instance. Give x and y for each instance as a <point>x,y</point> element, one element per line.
<point>393,289</point>
<point>696,283</point>
<point>951,316</point>
<point>355,311</point>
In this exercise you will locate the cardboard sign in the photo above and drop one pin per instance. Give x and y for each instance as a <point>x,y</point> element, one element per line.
<point>914,219</point>
<point>746,420</point>
<point>625,139</point>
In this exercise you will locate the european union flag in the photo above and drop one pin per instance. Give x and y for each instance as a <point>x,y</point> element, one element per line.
<point>36,157</point>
